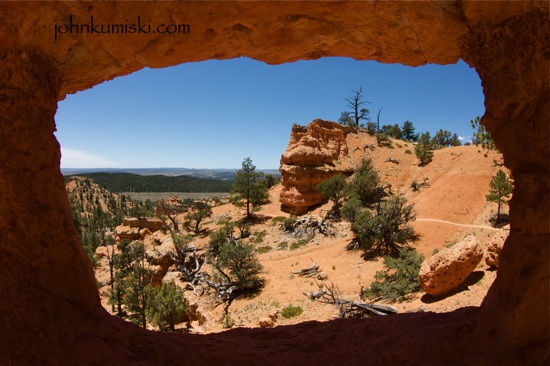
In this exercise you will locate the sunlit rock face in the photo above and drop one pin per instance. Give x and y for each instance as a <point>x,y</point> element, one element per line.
<point>313,155</point>
<point>51,312</point>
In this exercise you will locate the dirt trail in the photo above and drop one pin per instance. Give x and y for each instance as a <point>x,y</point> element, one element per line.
<point>461,225</point>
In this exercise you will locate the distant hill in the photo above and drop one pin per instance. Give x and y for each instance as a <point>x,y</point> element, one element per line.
<point>127,182</point>
<point>221,174</point>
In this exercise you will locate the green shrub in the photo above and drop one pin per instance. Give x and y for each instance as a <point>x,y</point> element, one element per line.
<point>383,139</point>
<point>366,184</point>
<point>424,154</point>
<point>298,244</point>
<point>399,279</point>
<point>291,311</point>
<point>350,209</point>
<point>450,244</point>
<point>288,223</point>
<point>333,188</point>
<point>278,220</point>
<point>244,228</point>
<point>166,305</point>
<point>259,236</point>
<point>408,152</point>
<point>399,145</point>
<point>264,249</point>
<point>282,246</point>
<point>386,230</point>
<point>219,238</point>
<point>242,264</point>
<point>228,322</point>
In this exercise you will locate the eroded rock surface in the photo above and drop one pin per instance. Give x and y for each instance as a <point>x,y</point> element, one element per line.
<point>313,155</point>
<point>495,246</point>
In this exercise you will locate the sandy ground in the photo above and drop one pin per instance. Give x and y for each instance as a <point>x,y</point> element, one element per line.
<point>451,207</point>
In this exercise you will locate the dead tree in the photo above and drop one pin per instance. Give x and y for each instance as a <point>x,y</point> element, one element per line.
<point>171,211</point>
<point>309,225</point>
<point>352,309</point>
<point>197,284</point>
<point>186,259</point>
<point>311,271</point>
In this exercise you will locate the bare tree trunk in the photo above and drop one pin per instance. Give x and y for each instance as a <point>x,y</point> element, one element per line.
<point>174,222</point>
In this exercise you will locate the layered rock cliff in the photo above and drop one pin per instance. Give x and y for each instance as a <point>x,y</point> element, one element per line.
<point>314,153</point>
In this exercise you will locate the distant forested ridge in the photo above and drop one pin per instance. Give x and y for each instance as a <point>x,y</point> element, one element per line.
<point>127,182</point>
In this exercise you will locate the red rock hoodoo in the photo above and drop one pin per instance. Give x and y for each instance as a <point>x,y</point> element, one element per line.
<point>51,313</point>
<point>313,154</point>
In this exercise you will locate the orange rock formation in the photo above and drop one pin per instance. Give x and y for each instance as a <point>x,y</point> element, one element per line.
<point>312,155</point>
<point>51,313</point>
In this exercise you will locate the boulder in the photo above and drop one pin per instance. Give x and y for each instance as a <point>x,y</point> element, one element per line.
<point>447,270</point>
<point>495,246</point>
<point>101,251</point>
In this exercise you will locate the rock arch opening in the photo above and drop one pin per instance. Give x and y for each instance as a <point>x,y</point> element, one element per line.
<point>41,258</point>
<point>146,120</point>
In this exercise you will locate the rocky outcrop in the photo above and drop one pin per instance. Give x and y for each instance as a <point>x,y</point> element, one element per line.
<point>495,246</point>
<point>137,229</point>
<point>41,258</point>
<point>151,223</point>
<point>446,270</point>
<point>160,254</point>
<point>312,155</point>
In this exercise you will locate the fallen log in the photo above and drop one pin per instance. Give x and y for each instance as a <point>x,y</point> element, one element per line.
<point>310,271</point>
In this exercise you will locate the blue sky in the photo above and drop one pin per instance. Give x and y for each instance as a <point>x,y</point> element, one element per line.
<point>213,114</point>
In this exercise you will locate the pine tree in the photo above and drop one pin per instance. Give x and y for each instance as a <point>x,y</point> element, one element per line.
<point>481,136</point>
<point>366,184</point>
<point>387,229</point>
<point>249,186</point>
<point>408,131</point>
<point>139,277</point>
<point>444,138</point>
<point>500,189</point>
<point>424,154</point>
